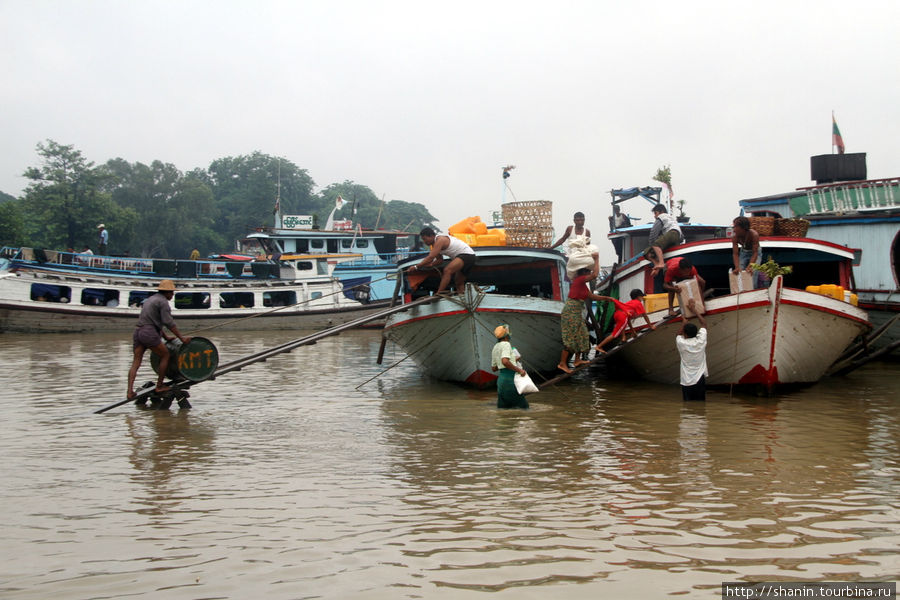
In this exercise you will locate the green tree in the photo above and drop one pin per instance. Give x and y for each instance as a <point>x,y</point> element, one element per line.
<point>63,203</point>
<point>372,212</point>
<point>245,189</point>
<point>165,213</point>
<point>12,225</point>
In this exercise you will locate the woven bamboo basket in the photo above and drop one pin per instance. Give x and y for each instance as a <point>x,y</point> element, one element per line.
<point>791,227</point>
<point>763,225</point>
<point>528,224</point>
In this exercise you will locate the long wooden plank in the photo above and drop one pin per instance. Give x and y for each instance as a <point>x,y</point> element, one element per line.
<point>237,365</point>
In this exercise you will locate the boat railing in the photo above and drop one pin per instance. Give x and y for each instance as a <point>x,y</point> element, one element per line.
<point>375,260</point>
<point>854,196</point>
<point>127,265</point>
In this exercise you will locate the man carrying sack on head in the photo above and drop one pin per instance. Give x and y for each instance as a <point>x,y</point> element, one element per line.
<point>155,314</point>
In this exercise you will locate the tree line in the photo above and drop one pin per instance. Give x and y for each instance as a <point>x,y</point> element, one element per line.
<point>156,210</point>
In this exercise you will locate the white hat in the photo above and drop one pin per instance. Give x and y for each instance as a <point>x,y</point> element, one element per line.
<point>101,226</point>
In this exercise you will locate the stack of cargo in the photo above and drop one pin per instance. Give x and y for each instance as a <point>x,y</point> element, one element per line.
<point>529,224</point>
<point>475,233</point>
<point>834,291</point>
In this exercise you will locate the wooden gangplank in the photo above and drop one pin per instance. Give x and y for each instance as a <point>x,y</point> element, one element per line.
<point>601,357</point>
<point>263,355</point>
<point>598,358</point>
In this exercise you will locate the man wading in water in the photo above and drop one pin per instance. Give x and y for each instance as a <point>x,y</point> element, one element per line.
<point>155,313</point>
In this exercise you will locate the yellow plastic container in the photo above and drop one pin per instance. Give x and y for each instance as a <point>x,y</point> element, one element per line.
<point>851,298</point>
<point>655,302</point>
<point>488,240</point>
<point>469,238</point>
<point>813,289</point>
<point>468,225</point>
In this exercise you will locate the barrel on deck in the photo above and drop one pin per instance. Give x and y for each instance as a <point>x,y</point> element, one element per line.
<point>195,361</point>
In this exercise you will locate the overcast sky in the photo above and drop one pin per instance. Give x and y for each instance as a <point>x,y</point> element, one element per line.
<point>426,101</point>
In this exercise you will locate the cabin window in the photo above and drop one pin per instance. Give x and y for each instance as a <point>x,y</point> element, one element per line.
<point>136,298</point>
<point>362,243</point>
<point>236,300</point>
<point>304,265</point>
<point>323,267</point>
<point>317,244</point>
<point>315,295</point>
<point>185,300</point>
<point>358,244</point>
<point>99,297</point>
<point>43,292</point>
<point>281,298</point>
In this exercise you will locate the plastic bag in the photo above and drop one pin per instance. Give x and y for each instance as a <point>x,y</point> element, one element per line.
<point>524,384</point>
<point>580,256</point>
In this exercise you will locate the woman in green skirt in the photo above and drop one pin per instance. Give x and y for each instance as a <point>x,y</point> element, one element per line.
<point>574,330</point>
<point>505,360</point>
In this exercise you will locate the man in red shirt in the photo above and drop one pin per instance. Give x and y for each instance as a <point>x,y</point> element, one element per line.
<point>678,269</point>
<point>625,312</point>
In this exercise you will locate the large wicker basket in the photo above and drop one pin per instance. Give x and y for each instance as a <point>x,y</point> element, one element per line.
<point>528,224</point>
<point>763,225</point>
<point>791,227</point>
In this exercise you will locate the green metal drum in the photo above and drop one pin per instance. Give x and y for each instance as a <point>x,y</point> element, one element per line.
<point>195,361</point>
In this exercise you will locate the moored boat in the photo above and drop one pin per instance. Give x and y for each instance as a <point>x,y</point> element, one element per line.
<point>451,339</point>
<point>52,292</point>
<point>364,257</point>
<point>769,337</point>
<point>844,207</point>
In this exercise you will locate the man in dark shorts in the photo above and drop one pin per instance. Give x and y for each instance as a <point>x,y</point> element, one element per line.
<point>461,255</point>
<point>155,314</point>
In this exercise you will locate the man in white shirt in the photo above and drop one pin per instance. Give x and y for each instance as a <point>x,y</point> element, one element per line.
<point>691,344</point>
<point>461,255</point>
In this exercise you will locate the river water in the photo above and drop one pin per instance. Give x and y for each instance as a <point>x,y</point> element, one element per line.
<point>286,481</point>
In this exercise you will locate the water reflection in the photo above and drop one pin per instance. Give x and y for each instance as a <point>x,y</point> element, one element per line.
<point>166,447</point>
<point>286,478</point>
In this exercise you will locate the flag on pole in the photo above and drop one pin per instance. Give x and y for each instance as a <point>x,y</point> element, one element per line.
<point>339,202</point>
<point>836,139</point>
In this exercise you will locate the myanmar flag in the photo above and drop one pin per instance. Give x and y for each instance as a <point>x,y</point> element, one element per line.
<point>836,139</point>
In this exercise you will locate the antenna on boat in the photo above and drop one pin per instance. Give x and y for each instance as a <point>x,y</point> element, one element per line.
<point>506,174</point>
<point>277,209</point>
<point>380,208</point>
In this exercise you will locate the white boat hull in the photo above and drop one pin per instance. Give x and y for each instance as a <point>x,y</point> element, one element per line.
<point>767,337</point>
<point>451,339</point>
<point>20,313</point>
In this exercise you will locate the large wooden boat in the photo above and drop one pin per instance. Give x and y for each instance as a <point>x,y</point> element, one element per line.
<point>862,213</point>
<point>53,292</point>
<point>451,339</point>
<point>769,337</point>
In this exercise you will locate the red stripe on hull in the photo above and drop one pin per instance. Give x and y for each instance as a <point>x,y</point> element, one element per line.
<point>481,379</point>
<point>762,376</point>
